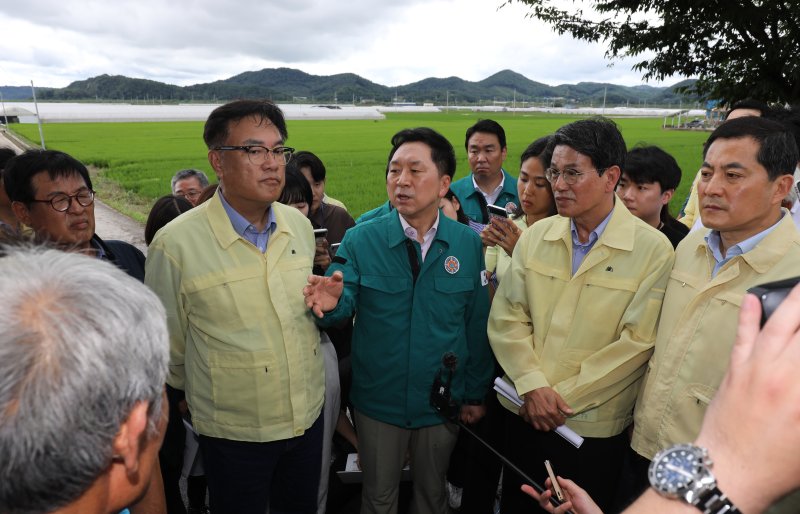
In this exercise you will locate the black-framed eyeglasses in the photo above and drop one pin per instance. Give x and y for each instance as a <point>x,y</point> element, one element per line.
<point>257,154</point>
<point>62,201</point>
<point>569,175</point>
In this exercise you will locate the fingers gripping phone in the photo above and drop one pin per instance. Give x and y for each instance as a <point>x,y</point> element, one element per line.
<point>556,486</point>
<point>497,211</point>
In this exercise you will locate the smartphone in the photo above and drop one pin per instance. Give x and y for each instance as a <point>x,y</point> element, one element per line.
<point>772,294</point>
<point>333,248</point>
<point>320,233</point>
<point>496,210</point>
<point>556,486</point>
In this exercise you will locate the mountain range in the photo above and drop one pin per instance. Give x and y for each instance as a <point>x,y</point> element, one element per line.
<point>287,85</point>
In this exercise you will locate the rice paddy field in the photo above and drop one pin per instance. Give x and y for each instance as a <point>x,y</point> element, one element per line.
<point>135,161</point>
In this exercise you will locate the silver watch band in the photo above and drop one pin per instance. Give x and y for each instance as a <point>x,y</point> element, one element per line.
<point>714,501</point>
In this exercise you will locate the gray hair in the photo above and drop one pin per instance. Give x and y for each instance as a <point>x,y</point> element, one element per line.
<point>188,173</point>
<point>81,343</point>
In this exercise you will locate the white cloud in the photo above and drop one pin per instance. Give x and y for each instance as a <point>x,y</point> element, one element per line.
<point>203,40</point>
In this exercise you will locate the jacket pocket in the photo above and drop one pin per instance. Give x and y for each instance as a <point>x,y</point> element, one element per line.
<point>246,388</point>
<point>684,417</point>
<point>391,285</point>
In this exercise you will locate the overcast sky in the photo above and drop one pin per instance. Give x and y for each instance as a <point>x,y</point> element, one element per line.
<point>54,42</point>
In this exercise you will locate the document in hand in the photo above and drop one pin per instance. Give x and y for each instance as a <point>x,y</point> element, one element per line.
<point>508,392</point>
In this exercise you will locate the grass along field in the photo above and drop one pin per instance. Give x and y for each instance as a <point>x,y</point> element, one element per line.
<point>135,161</point>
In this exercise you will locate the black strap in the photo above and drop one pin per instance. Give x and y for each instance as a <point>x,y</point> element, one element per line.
<point>412,259</point>
<point>482,204</point>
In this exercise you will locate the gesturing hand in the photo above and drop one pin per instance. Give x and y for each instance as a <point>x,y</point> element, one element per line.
<point>323,293</point>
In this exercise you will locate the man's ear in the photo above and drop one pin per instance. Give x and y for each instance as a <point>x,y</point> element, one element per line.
<point>21,212</point>
<point>612,175</point>
<point>215,160</point>
<point>130,437</point>
<point>783,185</point>
<point>666,196</point>
<point>444,184</point>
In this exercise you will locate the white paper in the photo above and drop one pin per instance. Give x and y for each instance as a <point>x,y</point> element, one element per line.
<point>508,392</point>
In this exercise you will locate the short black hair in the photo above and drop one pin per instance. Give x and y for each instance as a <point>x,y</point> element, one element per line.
<point>647,164</point>
<point>777,152</point>
<point>19,172</point>
<point>442,153</point>
<point>751,104</point>
<point>487,127</point>
<point>598,138</point>
<point>218,122</point>
<point>296,188</point>
<point>166,209</point>
<point>305,159</point>
<point>6,154</point>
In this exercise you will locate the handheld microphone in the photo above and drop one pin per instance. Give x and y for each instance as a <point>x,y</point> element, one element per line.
<point>443,403</point>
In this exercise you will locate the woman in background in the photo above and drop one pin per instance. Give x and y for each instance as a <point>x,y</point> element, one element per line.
<point>536,203</point>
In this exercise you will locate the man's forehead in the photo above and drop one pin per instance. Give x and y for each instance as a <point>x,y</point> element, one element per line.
<point>484,139</point>
<point>57,181</point>
<point>568,156</point>
<point>729,147</point>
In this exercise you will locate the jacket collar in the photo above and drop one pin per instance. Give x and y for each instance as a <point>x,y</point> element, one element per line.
<point>619,233</point>
<point>224,231</point>
<point>769,250</point>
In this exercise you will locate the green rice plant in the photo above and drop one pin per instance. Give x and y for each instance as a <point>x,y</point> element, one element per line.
<point>142,157</point>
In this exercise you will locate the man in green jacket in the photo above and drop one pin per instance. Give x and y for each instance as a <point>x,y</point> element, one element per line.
<point>414,279</point>
<point>488,183</point>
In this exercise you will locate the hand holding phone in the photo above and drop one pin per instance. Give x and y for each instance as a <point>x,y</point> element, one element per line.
<point>556,487</point>
<point>497,211</point>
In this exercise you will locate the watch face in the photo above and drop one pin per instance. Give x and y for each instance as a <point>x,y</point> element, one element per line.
<point>679,470</point>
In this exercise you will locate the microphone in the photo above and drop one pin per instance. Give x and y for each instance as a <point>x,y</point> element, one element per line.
<point>441,397</point>
<point>443,403</point>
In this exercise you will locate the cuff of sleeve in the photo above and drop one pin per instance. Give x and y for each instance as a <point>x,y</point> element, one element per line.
<point>529,382</point>
<point>473,402</point>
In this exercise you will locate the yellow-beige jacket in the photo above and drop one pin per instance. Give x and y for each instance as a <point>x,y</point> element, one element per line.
<point>243,344</point>
<point>697,331</point>
<point>588,336</point>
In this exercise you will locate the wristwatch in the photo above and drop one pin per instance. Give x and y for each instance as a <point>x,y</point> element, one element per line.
<point>683,472</point>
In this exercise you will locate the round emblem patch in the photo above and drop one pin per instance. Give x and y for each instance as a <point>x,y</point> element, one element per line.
<point>451,265</point>
<point>511,207</point>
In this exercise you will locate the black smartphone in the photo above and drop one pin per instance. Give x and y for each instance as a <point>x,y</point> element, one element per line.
<point>496,210</point>
<point>772,294</point>
<point>320,233</point>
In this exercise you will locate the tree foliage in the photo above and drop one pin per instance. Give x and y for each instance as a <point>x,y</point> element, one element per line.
<point>736,48</point>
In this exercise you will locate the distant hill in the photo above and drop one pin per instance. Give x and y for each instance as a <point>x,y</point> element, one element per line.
<point>19,92</point>
<point>288,85</point>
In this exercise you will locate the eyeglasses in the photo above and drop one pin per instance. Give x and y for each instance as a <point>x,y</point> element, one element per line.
<point>62,202</point>
<point>570,176</point>
<point>258,154</point>
<point>190,194</point>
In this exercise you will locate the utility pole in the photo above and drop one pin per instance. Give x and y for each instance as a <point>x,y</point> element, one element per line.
<point>4,109</point>
<point>38,119</point>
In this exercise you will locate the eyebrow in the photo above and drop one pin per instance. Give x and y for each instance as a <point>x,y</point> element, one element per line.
<point>733,165</point>
<point>261,142</point>
<point>54,193</point>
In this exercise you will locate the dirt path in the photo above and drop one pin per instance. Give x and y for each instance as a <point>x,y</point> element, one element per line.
<point>109,224</point>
